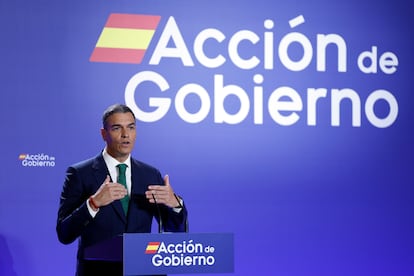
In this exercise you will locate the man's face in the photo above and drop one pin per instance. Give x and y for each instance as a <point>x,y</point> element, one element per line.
<point>119,134</point>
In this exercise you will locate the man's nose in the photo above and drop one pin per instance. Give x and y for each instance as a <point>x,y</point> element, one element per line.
<point>124,133</point>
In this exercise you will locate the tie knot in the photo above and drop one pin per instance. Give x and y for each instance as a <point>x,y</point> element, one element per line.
<point>122,168</point>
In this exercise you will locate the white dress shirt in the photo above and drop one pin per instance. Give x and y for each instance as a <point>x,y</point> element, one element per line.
<point>111,164</point>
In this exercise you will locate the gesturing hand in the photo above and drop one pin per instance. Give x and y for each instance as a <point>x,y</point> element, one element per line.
<point>108,192</point>
<point>163,194</point>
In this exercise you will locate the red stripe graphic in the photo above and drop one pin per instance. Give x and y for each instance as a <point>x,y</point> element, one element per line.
<point>117,55</point>
<point>133,21</point>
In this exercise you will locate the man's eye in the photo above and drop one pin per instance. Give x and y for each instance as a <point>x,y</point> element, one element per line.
<point>115,128</point>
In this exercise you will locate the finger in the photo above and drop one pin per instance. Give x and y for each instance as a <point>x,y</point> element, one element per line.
<point>119,193</point>
<point>150,195</point>
<point>122,190</point>
<point>154,188</point>
<point>119,186</point>
<point>167,180</point>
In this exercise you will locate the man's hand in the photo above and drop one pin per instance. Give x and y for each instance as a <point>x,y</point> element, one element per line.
<point>108,192</point>
<point>163,194</point>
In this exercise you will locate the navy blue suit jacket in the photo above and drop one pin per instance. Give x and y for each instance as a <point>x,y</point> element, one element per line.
<point>83,180</point>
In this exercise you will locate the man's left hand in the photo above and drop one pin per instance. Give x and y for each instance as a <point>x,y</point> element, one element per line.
<point>164,194</point>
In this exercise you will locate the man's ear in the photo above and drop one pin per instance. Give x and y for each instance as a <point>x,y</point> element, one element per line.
<point>104,134</point>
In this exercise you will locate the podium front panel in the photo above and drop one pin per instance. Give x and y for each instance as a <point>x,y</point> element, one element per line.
<point>178,253</point>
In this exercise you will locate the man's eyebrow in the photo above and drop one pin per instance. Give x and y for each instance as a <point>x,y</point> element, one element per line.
<point>120,125</point>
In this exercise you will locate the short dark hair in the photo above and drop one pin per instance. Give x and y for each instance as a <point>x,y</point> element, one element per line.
<point>116,108</point>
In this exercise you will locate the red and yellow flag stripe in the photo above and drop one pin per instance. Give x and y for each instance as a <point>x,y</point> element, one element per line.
<point>152,247</point>
<point>125,38</point>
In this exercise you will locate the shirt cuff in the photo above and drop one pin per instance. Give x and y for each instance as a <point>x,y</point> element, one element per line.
<point>91,211</point>
<point>178,209</point>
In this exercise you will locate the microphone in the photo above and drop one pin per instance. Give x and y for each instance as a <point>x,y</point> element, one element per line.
<point>159,215</point>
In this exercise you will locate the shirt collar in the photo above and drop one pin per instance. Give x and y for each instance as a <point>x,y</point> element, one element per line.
<point>112,162</point>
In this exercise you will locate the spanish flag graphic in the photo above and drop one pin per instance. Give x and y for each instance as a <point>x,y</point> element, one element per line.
<point>152,247</point>
<point>22,156</point>
<point>125,38</point>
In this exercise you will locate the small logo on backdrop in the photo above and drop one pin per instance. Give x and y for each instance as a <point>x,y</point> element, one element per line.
<point>37,160</point>
<point>125,38</point>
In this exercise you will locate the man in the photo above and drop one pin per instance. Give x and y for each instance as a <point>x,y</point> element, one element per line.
<point>92,201</point>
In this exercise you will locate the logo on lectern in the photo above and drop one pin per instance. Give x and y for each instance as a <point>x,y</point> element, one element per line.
<point>186,253</point>
<point>152,247</point>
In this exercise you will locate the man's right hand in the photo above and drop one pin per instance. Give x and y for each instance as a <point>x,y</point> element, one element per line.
<point>108,192</point>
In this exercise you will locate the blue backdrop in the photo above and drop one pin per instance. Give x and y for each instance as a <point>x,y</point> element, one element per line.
<point>256,137</point>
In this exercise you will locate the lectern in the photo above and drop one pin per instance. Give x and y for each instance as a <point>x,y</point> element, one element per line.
<point>168,253</point>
